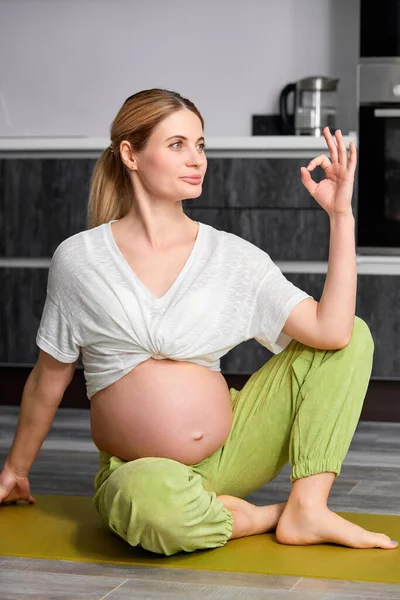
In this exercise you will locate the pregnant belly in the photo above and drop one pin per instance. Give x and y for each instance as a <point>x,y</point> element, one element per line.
<point>164,408</point>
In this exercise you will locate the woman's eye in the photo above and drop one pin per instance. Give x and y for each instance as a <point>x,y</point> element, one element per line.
<point>202,145</point>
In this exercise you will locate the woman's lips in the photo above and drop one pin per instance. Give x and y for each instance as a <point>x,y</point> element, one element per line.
<point>192,180</point>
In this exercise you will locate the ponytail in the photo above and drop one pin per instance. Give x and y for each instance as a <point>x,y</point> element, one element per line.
<point>111,193</point>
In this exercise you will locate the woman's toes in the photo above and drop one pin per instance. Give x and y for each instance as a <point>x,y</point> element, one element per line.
<point>320,526</point>
<point>383,541</point>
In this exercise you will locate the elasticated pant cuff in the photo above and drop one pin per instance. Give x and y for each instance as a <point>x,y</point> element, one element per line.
<point>314,466</point>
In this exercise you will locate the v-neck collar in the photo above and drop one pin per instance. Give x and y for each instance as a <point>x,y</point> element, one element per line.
<point>138,282</point>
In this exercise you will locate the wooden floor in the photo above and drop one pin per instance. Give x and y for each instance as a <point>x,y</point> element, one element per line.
<point>67,463</point>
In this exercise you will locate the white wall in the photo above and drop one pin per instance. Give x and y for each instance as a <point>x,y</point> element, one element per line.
<point>66,66</point>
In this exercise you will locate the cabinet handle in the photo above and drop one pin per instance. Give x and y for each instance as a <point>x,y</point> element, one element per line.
<point>387,112</point>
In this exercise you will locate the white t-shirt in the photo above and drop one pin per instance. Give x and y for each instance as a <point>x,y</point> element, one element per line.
<point>228,291</point>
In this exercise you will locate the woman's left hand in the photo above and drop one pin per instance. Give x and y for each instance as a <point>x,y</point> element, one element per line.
<point>335,192</point>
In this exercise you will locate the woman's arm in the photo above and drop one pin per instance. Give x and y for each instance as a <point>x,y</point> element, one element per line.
<point>337,306</point>
<point>43,392</point>
<point>329,322</point>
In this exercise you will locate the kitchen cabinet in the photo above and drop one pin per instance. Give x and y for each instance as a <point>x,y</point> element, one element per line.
<point>378,296</point>
<point>43,200</point>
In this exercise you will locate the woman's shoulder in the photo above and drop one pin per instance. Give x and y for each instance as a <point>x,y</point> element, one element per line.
<point>74,246</point>
<point>239,258</point>
<point>72,257</point>
<point>248,251</point>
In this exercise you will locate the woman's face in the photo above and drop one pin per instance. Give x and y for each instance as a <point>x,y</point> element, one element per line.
<point>161,166</point>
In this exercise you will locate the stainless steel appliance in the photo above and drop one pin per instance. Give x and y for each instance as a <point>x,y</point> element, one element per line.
<point>314,106</point>
<point>378,197</point>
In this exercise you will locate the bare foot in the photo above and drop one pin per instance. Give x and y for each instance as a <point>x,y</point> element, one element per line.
<point>268,516</point>
<point>303,526</point>
<point>264,518</point>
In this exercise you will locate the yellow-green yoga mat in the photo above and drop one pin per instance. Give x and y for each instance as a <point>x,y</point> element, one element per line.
<point>69,528</point>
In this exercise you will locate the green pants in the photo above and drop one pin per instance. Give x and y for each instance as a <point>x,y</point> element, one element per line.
<point>302,406</point>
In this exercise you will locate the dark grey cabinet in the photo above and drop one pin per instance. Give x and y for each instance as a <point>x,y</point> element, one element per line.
<point>377,299</point>
<point>22,300</point>
<point>44,201</point>
<point>284,234</point>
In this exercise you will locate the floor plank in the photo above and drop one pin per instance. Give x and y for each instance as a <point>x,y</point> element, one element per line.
<point>369,482</point>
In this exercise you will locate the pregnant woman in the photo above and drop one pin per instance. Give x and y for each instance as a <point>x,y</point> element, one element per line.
<point>153,299</point>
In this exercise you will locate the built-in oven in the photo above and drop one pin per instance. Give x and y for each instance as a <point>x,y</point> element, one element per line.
<point>378,183</point>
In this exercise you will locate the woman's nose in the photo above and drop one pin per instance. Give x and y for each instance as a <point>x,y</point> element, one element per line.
<point>194,158</point>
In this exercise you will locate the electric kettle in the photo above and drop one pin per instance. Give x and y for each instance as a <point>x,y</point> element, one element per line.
<point>314,106</point>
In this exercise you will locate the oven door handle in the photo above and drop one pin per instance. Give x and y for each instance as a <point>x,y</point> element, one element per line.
<point>387,112</point>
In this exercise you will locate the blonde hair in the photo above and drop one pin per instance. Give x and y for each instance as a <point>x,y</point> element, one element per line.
<point>111,193</point>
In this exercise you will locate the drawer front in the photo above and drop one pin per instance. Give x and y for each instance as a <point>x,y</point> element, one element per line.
<point>44,201</point>
<point>257,183</point>
<point>21,306</point>
<point>377,300</point>
<point>283,234</point>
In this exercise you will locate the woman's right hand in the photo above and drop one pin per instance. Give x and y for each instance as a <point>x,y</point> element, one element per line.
<point>13,487</point>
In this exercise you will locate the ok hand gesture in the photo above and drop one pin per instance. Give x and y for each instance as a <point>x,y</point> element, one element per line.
<point>335,192</point>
